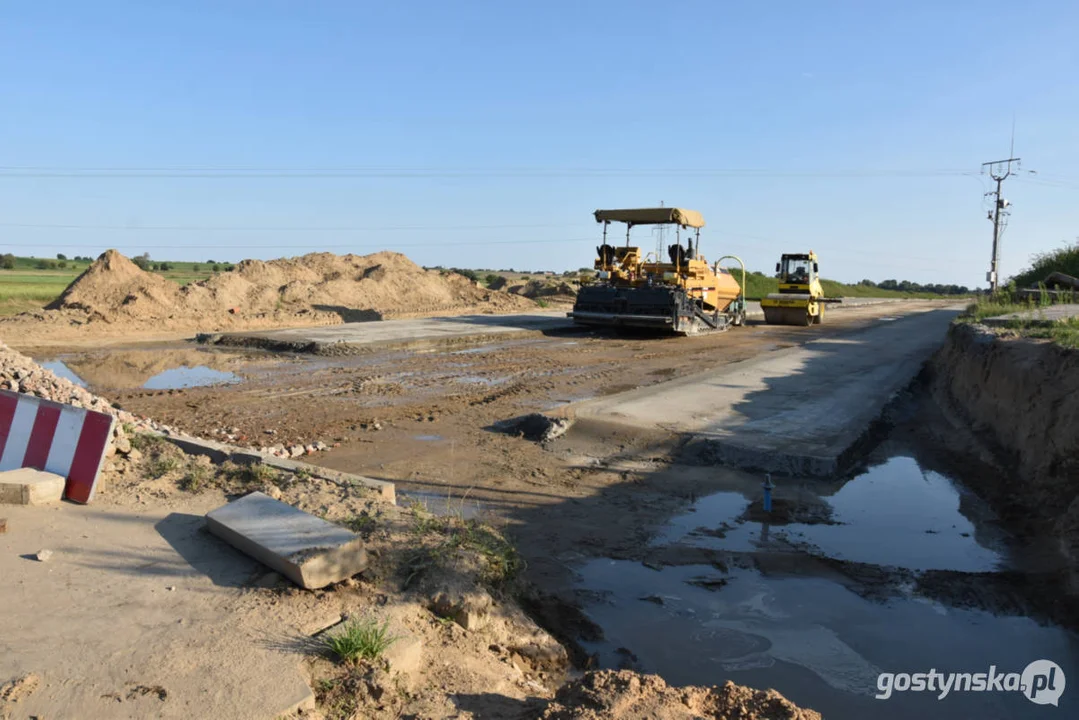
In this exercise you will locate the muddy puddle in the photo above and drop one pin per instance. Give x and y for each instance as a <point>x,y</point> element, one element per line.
<point>157,368</point>
<point>778,610</point>
<point>442,505</point>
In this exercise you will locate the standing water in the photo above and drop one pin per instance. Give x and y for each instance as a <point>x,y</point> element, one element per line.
<point>819,601</point>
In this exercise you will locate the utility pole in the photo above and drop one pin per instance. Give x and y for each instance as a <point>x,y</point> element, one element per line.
<point>999,170</point>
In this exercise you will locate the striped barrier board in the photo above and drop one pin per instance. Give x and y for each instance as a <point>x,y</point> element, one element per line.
<point>54,437</point>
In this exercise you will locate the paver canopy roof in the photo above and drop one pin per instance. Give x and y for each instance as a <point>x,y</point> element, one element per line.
<point>653,216</point>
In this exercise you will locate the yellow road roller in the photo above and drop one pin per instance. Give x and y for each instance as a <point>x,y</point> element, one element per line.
<point>800,300</point>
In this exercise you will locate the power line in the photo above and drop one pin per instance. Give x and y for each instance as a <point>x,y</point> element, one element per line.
<point>313,228</point>
<point>12,171</point>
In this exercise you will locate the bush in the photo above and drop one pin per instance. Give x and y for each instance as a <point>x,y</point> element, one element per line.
<point>470,274</point>
<point>7,261</point>
<point>216,268</point>
<point>61,264</point>
<point>166,266</point>
<point>143,261</point>
<point>45,265</point>
<point>196,267</point>
<point>1064,260</point>
<point>491,278</point>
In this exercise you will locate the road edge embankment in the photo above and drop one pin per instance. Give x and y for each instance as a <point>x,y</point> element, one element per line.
<point>1020,397</point>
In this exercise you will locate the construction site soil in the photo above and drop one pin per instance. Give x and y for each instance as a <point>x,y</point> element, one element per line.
<point>431,420</point>
<point>114,298</point>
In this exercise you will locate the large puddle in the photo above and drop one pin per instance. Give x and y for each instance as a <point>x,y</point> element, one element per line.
<point>816,639</point>
<point>150,369</point>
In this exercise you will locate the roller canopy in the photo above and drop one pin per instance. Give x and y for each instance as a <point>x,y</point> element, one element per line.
<point>653,216</point>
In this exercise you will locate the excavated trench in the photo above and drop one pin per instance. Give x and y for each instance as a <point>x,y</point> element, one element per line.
<point>914,561</point>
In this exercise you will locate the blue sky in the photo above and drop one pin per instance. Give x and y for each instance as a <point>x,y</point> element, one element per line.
<point>857,120</point>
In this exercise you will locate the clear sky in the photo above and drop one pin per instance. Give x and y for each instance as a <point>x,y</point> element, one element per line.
<point>484,134</point>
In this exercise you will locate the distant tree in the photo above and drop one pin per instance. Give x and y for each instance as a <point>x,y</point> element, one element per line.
<point>216,267</point>
<point>7,261</point>
<point>166,266</point>
<point>490,278</point>
<point>45,265</point>
<point>196,267</point>
<point>230,268</point>
<point>470,274</point>
<point>61,256</point>
<point>61,264</point>
<point>143,261</point>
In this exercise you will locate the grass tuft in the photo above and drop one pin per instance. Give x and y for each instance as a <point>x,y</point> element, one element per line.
<point>360,640</point>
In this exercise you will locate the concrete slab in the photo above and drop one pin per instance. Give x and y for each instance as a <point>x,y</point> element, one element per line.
<point>1048,315</point>
<point>333,339</point>
<point>220,452</point>
<point>356,337</point>
<point>27,486</point>
<point>310,551</point>
<point>798,411</point>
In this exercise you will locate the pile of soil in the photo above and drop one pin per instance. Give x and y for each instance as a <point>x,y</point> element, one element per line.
<point>319,288</point>
<point>628,695</point>
<point>553,290</point>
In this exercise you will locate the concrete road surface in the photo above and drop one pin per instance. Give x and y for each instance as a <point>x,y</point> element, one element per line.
<point>797,411</point>
<point>431,330</point>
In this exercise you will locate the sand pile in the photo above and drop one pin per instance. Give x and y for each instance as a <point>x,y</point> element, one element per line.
<point>551,290</point>
<point>319,288</point>
<point>630,696</point>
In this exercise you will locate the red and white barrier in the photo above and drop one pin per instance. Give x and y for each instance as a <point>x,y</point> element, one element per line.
<point>57,438</point>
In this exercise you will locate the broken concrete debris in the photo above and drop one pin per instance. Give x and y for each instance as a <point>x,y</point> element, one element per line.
<point>535,426</point>
<point>310,551</point>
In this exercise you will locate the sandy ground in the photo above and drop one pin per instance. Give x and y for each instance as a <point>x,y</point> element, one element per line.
<point>422,418</point>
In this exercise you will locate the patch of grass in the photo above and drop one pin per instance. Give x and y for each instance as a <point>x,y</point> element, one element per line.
<point>360,640</point>
<point>452,533</point>
<point>145,442</point>
<point>1064,332</point>
<point>252,474</point>
<point>542,303</point>
<point>162,465</point>
<point>195,479</point>
<point>363,524</point>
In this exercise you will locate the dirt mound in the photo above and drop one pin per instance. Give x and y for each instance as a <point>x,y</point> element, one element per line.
<point>628,695</point>
<point>114,284</point>
<point>319,288</point>
<point>546,289</point>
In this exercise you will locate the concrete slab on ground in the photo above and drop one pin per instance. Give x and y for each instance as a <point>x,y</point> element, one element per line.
<point>797,411</point>
<point>1047,315</point>
<point>220,452</point>
<point>308,550</point>
<point>27,486</point>
<point>347,337</point>
<point>140,614</point>
<point>419,331</point>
